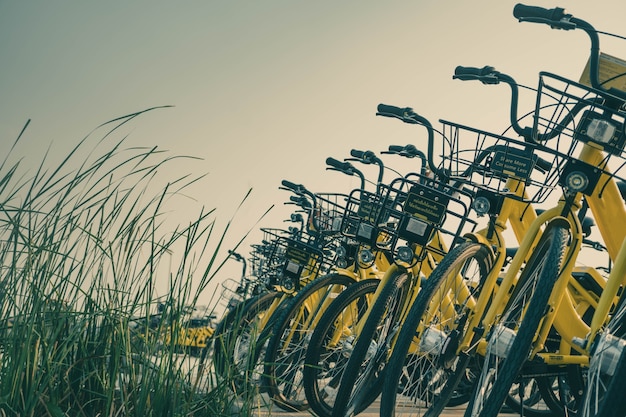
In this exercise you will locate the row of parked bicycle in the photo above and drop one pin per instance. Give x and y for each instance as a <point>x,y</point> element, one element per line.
<point>460,282</point>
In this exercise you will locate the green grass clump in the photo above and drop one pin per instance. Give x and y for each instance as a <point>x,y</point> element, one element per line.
<point>83,247</point>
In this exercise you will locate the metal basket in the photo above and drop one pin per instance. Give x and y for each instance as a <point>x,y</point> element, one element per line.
<point>326,217</point>
<point>363,212</point>
<point>305,257</point>
<point>416,207</point>
<point>499,164</point>
<point>569,116</point>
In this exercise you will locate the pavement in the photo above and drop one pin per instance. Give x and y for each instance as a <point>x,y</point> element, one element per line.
<point>372,411</point>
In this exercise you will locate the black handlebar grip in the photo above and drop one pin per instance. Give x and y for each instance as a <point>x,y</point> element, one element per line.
<point>521,12</point>
<point>396,111</point>
<point>335,163</point>
<point>486,74</point>
<point>291,185</point>
<point>396,148</point>
<point>355,153</point>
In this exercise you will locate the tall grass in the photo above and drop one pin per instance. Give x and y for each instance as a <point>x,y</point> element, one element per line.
<point>83,248</point>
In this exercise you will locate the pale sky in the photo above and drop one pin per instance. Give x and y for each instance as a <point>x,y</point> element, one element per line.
<point>266,90</point>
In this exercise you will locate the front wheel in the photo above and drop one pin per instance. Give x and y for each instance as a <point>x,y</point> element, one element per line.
<point>331,344</point>
<point>604,395</point>
<point>361,382</point>
<point>424,358</point>
<point>510,340</point>
<point>290,335</point>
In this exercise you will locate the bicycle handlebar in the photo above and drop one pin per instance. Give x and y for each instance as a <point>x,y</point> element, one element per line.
<point>407,115</point>
<point>409,151</point>
<point>557,19</point>
<point>345,167</point>
<point>489,75</point>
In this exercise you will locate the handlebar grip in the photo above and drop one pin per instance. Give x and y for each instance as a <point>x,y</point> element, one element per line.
<point>522,12</point>
<point>292,186</point>
<point>486,74</point>
<point>355,153</point>
<point>396,148</point>
<point>393,110</point>
<point>337,164</point>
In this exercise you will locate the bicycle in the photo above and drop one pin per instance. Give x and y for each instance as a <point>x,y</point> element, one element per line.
<point>411,214</point>
<point>590,140</point>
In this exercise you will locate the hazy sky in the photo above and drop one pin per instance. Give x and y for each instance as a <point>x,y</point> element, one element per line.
<point>265,90</point>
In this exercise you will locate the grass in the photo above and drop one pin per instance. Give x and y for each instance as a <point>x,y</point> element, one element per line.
<point>84,245</point>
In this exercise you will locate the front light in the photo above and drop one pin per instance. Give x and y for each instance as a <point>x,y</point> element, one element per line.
<point>576,181</point>
<point>481,205</point>
<point>341,252</point>
<point>366,256</point>
<point>405,254</point>
<point>600,130</point>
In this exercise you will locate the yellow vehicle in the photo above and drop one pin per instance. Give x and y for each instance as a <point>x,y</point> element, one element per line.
<point>535,327</point>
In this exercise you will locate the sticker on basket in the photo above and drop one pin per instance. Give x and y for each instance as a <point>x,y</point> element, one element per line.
<point>612,72</point>
<point>368,211</point>
<point>293,267</point>
<point>416,226</point>
<point>512,162</point>
<point>297,255</point>
<point>426,204</point>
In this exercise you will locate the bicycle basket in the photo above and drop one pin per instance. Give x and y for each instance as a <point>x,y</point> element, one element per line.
<point>325,218</point>
<point>363,212</point>
<point>498,164</point>
<point>569,117</point>
<point>304,258</point>
<point>418,207</point>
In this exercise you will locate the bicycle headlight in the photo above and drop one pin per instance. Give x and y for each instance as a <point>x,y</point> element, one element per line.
<point>481,205</point>
<point>405,254</point>
<point>576,181</point>
<point>341,263</point>
<point>601,131</point>
<point>341,252</point>
<point>366,256</point>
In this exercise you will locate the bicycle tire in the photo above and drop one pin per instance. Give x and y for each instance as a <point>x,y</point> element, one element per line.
<point>503,363</point>
<point>604,395</point>
<point>282,374</point>
<point>325,358</point>
<point>361,380</point>
<point>231,354</point>
<point>406,373</point>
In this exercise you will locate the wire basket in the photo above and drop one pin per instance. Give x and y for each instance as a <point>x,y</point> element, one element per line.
<point>498,164</point>
<point>364,211</point>
<point>570,118</point>
<point>303,257</point>
<point>326,217</point>
<point>417,207</point>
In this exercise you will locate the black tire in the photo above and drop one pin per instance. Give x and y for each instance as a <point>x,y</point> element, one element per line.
<point>361,382</point>
<point>235,339</point>
<point>604,395</point>
<point>325,357</point>
<point>414,380</point>
<point>508,349</point>
<point>284,355</point>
